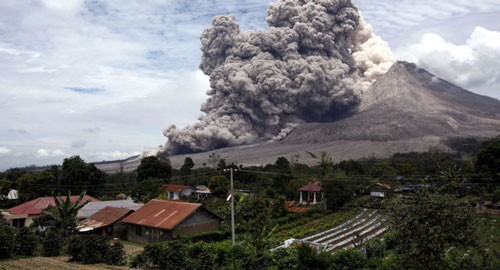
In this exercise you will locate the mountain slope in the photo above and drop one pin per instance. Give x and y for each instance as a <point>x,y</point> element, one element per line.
<point>409,102</point>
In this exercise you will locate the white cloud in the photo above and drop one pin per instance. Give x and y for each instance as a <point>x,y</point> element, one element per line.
<point>473,65</point>
<point>4,150</point>
<point>45,153</point>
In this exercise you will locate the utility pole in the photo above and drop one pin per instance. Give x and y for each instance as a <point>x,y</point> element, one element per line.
<point>232,207</point>
<point>231,170</point>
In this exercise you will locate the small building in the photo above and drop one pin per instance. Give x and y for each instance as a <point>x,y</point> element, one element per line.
<point>105,221</point>
<point>160,220</point>
<point>94,207</point>
<point>311,188</point>
<point>174,192</point>
<point>380,190</point>
<point>23,215</point>
<point>202,192</point>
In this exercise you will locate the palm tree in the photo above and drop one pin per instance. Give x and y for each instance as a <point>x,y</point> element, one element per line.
<point>65,213</point>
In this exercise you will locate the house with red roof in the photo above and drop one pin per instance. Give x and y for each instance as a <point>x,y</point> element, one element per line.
<point>159,221</point>
<point>174,192</point>
<point>23,215</point>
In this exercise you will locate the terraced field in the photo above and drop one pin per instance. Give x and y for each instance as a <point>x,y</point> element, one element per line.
<point>366,225</point>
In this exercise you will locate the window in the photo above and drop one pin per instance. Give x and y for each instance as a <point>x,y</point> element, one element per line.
<point>138,230</point>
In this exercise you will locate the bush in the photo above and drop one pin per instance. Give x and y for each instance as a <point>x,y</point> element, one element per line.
<point>91,249</point>
<point>115,254</point>
<point>25,242</point>
<point>348,259</point>
<point>6,241</point>
<point>375,248</point>
<point>213,236</point>
<point>51,244</point>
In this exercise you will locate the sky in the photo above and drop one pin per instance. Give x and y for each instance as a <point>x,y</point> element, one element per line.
<point>102,79</point>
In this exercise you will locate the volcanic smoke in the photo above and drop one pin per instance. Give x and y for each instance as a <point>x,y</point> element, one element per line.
<point>312,64</point>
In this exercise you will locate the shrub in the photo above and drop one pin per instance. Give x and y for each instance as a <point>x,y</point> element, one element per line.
<point>375,248</point>
<point>348,259</point>
<point>51,244</point>
<point>213,236</point>
<point>25,242</point>
<point>6,241</point>
<point>115,254</point>
<point>91,249</point>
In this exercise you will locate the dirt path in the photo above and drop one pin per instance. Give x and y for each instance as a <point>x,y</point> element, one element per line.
<point>53,263</point>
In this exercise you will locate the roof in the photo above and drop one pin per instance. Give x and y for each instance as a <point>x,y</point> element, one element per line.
<point>386,186</point>
<point>174,188</point>
<point>311,187</point>
<point>104,217</point>
<point>297,209</point>
<point>37,206</point>
<point>93,207</point>
<point>289,203</point>
<point>162,214</point>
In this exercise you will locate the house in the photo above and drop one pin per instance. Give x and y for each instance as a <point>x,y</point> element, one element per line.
<point>202,192</point>
<point>23,215</point>
<point>160,220</point>
<point>380,190</point>
<point>311,188</point>
<point>93,207</point>
<point>174,192</point>
<point>105,221</point>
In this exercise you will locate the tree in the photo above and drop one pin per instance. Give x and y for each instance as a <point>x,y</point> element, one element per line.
<point>81,176</point>
<point>488,160</point>
<point>427,225</point>
<point>187,166</point>
<point>219,186</point>
<point>337,190</point>
<point>51,244</point>
<point>152,167</point>
<point>146,190</point>
<point>66,211</point>
<point>34,185</point>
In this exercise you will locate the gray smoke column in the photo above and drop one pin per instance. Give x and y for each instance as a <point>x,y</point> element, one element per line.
<point>311,64</point>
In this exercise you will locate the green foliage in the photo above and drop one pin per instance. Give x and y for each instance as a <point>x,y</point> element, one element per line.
<point>310,259</point>
<point>375,248</point>
<point>146,190</point>
<point>31,186</point>
<point>92,249</point>
<point>488,160</point>
<point>6,241</point>
<point>51,244</point>
<point>285,259</point>
<point>25,242</point>
<point>495,197</point>
<point>278,208</point>
<point>427,225</point>
<point>337,192</point>
<point>65,213</point>
<point>348,259</point>
<point>219,186</point>
<point>81,176</point>
<point>211,236</point>
<point>152,167</point>
<point>187,166</point>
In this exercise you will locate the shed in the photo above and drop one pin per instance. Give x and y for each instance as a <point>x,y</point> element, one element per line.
<point>105,221</point>
<point>311,188</point>
<point>160,220</point>
<point>174,192</point>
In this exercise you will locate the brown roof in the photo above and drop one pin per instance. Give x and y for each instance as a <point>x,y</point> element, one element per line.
<point>289,203</point>
<point>298,209</point>
<point>311,187</point>
<point>37,206</point>
<point>174,188</point>
<point>162,214</point>
<point>104,217</point>
<point>386,186</point>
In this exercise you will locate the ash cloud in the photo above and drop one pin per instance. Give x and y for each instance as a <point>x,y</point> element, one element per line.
<point>311,64</point>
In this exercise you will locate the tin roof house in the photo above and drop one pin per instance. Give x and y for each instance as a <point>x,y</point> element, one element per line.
<point>160,220</point>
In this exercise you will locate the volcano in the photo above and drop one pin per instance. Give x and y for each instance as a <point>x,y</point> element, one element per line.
<point>407,109</point>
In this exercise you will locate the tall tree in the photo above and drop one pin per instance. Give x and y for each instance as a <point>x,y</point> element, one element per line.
<point>427,225</point>
<point>219,186</point>
<point>187,166</point>
<point>66,211</point>
<point>488,160</point>
<point>152,167</point>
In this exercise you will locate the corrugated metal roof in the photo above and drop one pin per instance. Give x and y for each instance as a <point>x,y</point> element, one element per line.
<point>174,188</point>
<point>311,187</point>
<point>162,214</point>
<point>104,217</point>
<point>93,207</point>
<point>37,206</point>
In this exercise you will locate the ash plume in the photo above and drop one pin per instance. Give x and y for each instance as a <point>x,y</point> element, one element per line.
<point>311,64</point>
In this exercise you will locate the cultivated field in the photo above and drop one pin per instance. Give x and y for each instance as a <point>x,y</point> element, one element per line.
<point>52,263</point>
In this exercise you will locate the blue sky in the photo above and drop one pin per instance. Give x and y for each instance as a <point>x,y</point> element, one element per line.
<point>102,79</point>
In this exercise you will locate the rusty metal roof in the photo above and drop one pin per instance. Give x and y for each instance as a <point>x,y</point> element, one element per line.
<point>37,206</point>
<point>106,216</point>
<point>162,214</point>
<point>174,188</point>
